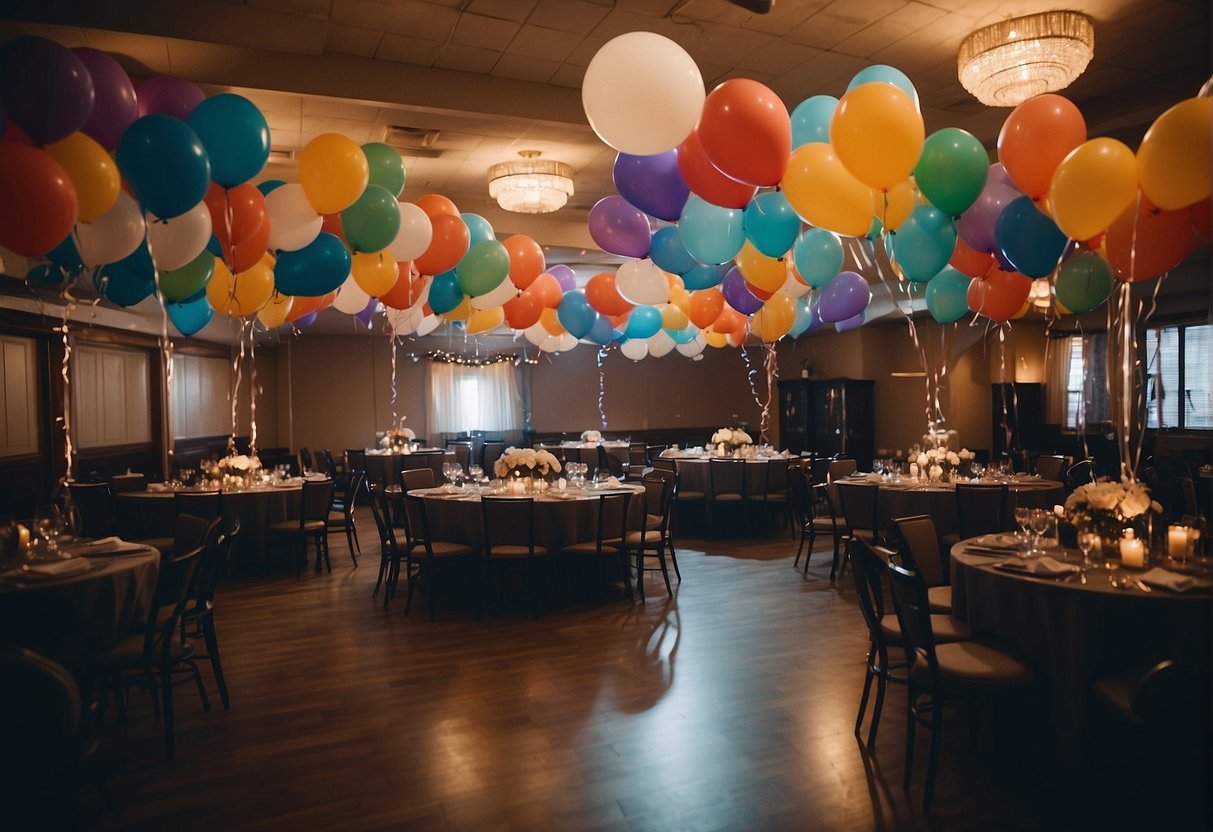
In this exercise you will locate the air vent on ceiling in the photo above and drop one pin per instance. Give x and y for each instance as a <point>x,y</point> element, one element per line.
<point>412,141</point>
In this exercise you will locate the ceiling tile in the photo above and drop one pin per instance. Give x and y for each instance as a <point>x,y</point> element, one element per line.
<point>422,20</point>
<point>839,21</point>
<point>523,68</point>
<point>484,32</point>
<point>784,16</point>
<point>147,51</point>
<point>577,16</point>
<point>777,57</point>
<point>540,42</point>
<point>516,10</point>
<point>467,58</point>
<point>318,9</point>
<point>351,40</point>
<point>569,75</point>
<point>408,50</point>
<point>369,14</point>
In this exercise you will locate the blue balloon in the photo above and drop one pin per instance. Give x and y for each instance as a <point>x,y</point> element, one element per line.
<point>889,75</point>
<point>574,313</point>
<point>165,163</point>
<point>924,242</point>
<point>65,254</point>
<point>770,223</point>
<point>804,317</point>
<point>653,184</point>
<point>947,295</point>
<point>314,270</point>
<point>668,252</point>
<point>818,256</point>
<point>445,294</point>
<point>129,280</point>
<point>811,120</point>
<point>643,322</point>
<point>702,276</point>
<point>479,229</point>
<point>269,186</point>
<point>190,317</point>
<point>710,233</point>
<point>235,135</point>
<point>683,336</point>
<point>48,274</point>
<point>601,333</point>
<point>199,295</point>
<point>1028,239</point>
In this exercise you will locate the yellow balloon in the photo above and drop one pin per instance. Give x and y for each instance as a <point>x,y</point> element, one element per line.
<point>894,205</point>
<point>483,320</point>
<point>333,172</point>
<point>715,339</point>
<point>680,297</point>
<point>877,133</point>
<point>774,320</point>
<point>550,322</point>
<point>1092,186</point>
<point>461,312</point>
<point>824,193</point>
<point>674,318</point>
<point>274,313</point>
<point>92,171</point>
<point>239,295</point>
<point>374,272</point>
<point>767,273</point>
<point>1173,160</point>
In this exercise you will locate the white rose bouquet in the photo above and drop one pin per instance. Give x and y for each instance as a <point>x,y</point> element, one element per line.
<point>397,438</point>
<point>525,462</point>
<point>941,464</point>
<point>731,439</point>
<point>591,436</point>
<point>1108,508</point>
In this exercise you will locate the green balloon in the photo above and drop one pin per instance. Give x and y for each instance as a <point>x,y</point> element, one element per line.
<point>181,283</point>
<point>386,167</point>
<point>952,170</point>
<point>483,268</point>
<point>371,223</point>
<point>1083,282</point>
<point>947,295</point>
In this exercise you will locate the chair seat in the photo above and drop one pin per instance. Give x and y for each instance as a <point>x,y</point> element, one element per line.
<point>445,549</point>
<point>972,664</point>
<point>691,495</point>
<point>778,497</point>
<point>646,538</point>
<point>128,653</point>
<point>945,627</point>
<point>728,498</point>
<point>292,527</point>
<point>865,534</point>
<point>590,547</point>
<point>940,598</point>
<point>514,552</point>
<point>164,545</point>
<point>829,523</point>
<point>1118,692</point>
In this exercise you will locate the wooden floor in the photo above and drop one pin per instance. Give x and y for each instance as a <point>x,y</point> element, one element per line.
<point>729,707</point>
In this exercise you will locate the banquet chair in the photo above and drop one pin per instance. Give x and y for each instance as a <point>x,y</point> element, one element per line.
<point>330,464</point>
<point>463,451</point>
<point>638,456</point>
<point>592,458</point>
<point>858,504</point>
<point>92,505</point>
<point>653,542</point>
<point>839,468</point>
<point>1051,467</point>
<point>611,520</point>
<point>149,656</point>
<point>430,555</point>
<point>957,671</point>
<point>509,538</point>
<point>305,461</point>
<point>343,505</point>
<point>613,462</point>
<point>726,487</point>
<point>489,452</point>
<point>391,553</point>
<point>654,452</point>
<point>777,490</point>
<point>655,520</point>
<point>820,516</point>
<point>207,504</point>
<point>312,525</point>
<point>981,508</point>
<point>198,617</point>
<point>681,498</point>
<point>918,549</point>
<point>355,459</point>
<point>1080,473</point>
<point>411,478</point>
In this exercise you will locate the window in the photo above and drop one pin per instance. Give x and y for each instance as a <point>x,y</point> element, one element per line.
<point>1077,371</point>
<point>468,397</point>
<point>1179,377</point>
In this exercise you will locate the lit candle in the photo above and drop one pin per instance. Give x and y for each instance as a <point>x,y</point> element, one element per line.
<point>22,538</point>
<point>913,470</point>
<point>1177,542</point>
<point>1132,551</point>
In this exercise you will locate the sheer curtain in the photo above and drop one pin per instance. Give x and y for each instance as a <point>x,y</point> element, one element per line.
<point>1057,380</point>
<point>464,398</point>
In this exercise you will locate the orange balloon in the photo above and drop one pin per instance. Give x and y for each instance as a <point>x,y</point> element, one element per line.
<point>523,311</point>
<point>1145,241</point>
<point>766,273</point>
<point>447,246</point>
<point>550,322</point>
<point>1036,136</point>
<point>39,204</point>
<point>736,339</point>
<point>407,290</point>
<point>998,295</point>
<point>547,288</point>
<point>729,320</point>
<point>970,261</point>
<point>706,306</point>
<point>436,204</point>
<point>304,306</point>
<point>332,224</point>
<point>893,206</point>
<point>251,251</point>
<point>526,259</point>
<point>760,293</point>
<point>746,131</point>
<point>824,193</point>
<point>461,312</point>
<point>603,297</point>
<point>878,134</point>
<point>706,180</point>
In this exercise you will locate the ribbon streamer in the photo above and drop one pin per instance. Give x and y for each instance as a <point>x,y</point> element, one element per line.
<point>602,418</point>
<point>772,368</point>
<point>751,371</point>
<point>252,386</point>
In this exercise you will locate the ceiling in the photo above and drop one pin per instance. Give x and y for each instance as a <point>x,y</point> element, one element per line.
<point>475,81</point>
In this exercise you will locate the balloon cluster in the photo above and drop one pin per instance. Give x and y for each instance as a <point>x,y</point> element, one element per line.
<point>758,200</point>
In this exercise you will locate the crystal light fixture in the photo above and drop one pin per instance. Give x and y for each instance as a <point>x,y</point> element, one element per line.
<point>1006,63</point>
<point>531,185</point>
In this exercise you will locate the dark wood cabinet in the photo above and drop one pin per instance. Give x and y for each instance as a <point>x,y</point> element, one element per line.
<point>1018,418</point>
<point>828,417</point>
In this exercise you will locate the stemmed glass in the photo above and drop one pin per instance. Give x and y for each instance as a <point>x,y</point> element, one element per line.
<point>1042,521</point>
<point>48,522</point>
<point>475,474</point>
<point>1023,517</point>
<point>452,472</point>
<point>878,467</point>
<point>978,469</point>
<point>1088,541</point>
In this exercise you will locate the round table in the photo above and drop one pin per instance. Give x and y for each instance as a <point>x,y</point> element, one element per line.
<point>384,469</point>
<point>1074,633</point>
<point>693,473</point>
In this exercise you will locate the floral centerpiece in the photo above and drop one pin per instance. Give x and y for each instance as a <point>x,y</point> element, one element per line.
<point>525,463</point>
<point>235,469</point>
<point>730,440</point>
<point>1108,508</point>
<point>941,465</point>
<point>592,437</point>
<point>398,438</point>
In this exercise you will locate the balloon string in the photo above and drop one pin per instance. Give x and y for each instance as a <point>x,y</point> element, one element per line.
<point>392,385</point>
<point>751,372</point>
<point>1081,416</point>
<point>1126,380</point>
<point>772,368</point>
<point>1002,384</point>
<point>602,418</point>
<point>1139,405</point>
<point>237,378</point>
<point>65,374</point>
<point>252,384</point>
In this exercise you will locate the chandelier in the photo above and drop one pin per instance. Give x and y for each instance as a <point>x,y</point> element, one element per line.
<point>1006,63</point>
<point>531,185</point>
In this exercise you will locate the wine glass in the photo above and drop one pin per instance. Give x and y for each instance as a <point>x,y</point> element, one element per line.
<point>1023,517</point>
<point>978,469</point>
<point>450,470</point>
<point>1088,541</point>
<point>878,467</point>
<point>1042,522</point>
<point>475,474</point>
<point>48,522</point>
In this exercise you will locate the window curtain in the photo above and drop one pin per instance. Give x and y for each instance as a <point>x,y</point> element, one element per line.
<point>464,398</point>
<point>1057,380</point>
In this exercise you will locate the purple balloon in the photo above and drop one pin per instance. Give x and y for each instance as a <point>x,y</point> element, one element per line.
<point>116,105</point>
<point>305,321</point>
<point>652,183</point>
<point>846,296</point>
<point>738,295</point>
<point>169,96</point>
<point>815,311</point>
<point>565,276</point>
<point>47,89</point>
<point>368,312</point>
<point>619,228</point>
<point>850,323</point>
<point>976,225</point>
<point>999,174</point>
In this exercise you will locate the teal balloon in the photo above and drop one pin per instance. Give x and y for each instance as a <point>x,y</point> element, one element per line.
<point>235,135</point>
<point>811,120</point>
<point>47,274</point>
<point>703,276</point>
<point>804,317</point>
<point>924,242</point>
<point>644,321</point>
<point>710,233</point>
<point>1083,282</point>
<point>1028,238</point>
<point>165,163</point>
<point>445,294</point>
<point>770,223</point>
<point>386,167</point>
<point>65,254</point>
<point>952,170</point>
<point>371,223</point>
<point>479,228</point>
<point>818,256</point>
<point>129,280</point>
<point>683,336</point>
<point>575,314</point>
<point>889,75</point>
<point>269,186</point>
<point>668,252</point>
<point>188,280</point>
<point>601,333</point>
<point>482,269</point>
<point>947,295</point>
<point>189,318</point>
<point>314,270</point>
<point>875,229</point>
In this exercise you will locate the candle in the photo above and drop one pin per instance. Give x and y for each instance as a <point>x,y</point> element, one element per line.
<point>516,485</point>
<point>1132,551</point>
<point>22,538</point>
<point>913,470</point>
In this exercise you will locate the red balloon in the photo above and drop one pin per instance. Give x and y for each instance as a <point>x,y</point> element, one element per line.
<point>706,306</point>
<point>435,204</point>
<point>447,246</point>
<point>1036,136</point>
<point>1202,222</point>
<point>526,259</point>
<point>600,291</point>
<point>1145,242</point>
<point>332,224</point>
<point>237,214</point>
<point>245,255</point>
<point>523,311</point>
<point>999,295</point>
<point>39,203</point>
<point>406,292</point>
<point>706,180</point>
<point>970,261</point>
<point>547,288</point>
<point>746,131</point>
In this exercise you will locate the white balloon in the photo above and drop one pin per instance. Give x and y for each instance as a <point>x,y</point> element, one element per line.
<point>661,344</point>
<point>642,282</point>
<point>537,333</point>
<point>428,324</point>
<point>177,241</point>
<point>558,343</point>
<point>293,221</point>
<point>792,287</point>
<point>642,93</point>
<point>692,349</point>
<point>113,235</point>
<point>496,297</point>
<point>404,321</point>
<point>635,349</point>
<point>350,298</point>
<point>414,235</point>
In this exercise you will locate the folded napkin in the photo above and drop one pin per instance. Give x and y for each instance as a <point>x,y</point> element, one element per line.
<point>1045,567</point>
<point>55,568</point>
<point>1008,542</point>
<point>1173,581</point>
<point>613,482</point>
